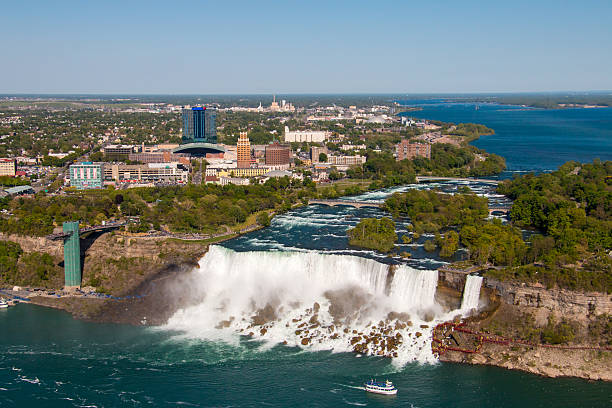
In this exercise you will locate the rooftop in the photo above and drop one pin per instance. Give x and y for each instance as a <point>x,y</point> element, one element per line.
<point>19,190</point>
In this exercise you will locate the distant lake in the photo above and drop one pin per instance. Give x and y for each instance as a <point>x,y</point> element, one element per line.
<point>530,139</point>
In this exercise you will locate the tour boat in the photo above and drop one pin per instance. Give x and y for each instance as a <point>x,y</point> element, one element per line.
<point>3,304</point>
<point>385,388</point>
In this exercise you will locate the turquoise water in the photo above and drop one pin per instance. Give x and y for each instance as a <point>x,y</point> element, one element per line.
<point>48,359</point>
<point>531,139</point>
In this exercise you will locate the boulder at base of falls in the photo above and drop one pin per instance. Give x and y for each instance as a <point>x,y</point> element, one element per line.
<point>267,314</point>
<point>402,317</point>
<point>223,324</point>
<point>360,348</point>
<point>305,341</point>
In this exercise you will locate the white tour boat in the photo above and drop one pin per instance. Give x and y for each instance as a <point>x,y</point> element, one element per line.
<point>3,304</point>
<point>386,388</point>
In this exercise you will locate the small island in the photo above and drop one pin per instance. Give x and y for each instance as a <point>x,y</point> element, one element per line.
<point>374,233</point>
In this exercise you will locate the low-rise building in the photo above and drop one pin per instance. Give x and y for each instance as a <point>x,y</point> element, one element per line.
<point>310,136</point>
<point>19,190</point>
<point>409,150</point>
<point>353,147</point>
<point>8,167</point>
<point>224,170</point>
<point>211,180</point>
<point>86,175</point>
<point>233,180</point>
<point>152,172</point>
<point>247,172</point>
<point>346,160</point>
<point>279,174</point>
<point>277,154</point>
<point>315,153</point>
<point>159,157</point>
<point>118,152</point>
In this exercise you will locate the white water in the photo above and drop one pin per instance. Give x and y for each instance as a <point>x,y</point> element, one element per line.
<point>471,293</point>
<point>414,288</point>
<point>350,292</point>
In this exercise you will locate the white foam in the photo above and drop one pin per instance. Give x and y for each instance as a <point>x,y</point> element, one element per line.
<point>471,293</point>
<point>236,285</point>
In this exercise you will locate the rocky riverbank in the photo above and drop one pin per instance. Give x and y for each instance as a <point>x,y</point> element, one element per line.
<point>135,271</point>
<point>156,271</point>
<point>549,332</point>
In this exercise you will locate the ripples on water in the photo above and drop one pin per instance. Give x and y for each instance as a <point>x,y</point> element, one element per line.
<point>49,359</point>
<point>537,140</point>
<point>324,229</point>
<point>78,364</point>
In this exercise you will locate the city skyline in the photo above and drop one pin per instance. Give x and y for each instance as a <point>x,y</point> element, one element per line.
<point>342,47</point>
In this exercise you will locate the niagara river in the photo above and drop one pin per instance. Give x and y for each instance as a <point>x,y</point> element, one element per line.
<point>312,295</point>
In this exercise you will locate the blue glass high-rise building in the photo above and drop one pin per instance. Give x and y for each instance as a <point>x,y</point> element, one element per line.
<point>199,125</point>
<point>199,132</point>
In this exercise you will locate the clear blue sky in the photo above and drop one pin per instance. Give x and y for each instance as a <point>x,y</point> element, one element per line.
<point>303,46</point>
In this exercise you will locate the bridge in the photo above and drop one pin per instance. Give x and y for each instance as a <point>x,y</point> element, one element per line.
<point>96,228</point>
<point>504,210</point>
<point>71,234</point>
<point>356,204</point>
<point>434,178</point>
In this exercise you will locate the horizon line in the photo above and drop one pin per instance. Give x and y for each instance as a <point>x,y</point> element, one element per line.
<point>302,93</point>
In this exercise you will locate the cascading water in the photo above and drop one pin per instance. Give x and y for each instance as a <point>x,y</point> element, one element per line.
<point>325,302</point>
<point>471,293</point>
<point>415,288</point>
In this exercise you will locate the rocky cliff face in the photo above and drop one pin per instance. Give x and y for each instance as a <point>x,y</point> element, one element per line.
<point>119,263</point>
<point>36,244</point>
<point>524,311</point>
<point>122,265</point>
<point>542,302</point>
<point>454,279</point>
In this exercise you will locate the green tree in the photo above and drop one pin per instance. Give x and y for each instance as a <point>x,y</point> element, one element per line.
<point>373,233</point>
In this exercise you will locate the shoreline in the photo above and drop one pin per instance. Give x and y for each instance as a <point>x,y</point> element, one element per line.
<point>156,305</point>
<point>153,307</point>
<point>538,360</point>
<point>412,108</point>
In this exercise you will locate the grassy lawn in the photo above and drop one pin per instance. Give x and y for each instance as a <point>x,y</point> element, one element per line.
<point>250,221</point>
<point>203,241</point>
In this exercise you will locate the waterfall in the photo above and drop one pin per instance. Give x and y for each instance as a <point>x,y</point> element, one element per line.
<point>471,292</point>
<point>416,288</point>
<point>327,302</point>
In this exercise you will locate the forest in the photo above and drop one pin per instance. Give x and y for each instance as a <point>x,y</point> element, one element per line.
<point>569,212</point>
<point>192,208</point>
<point>559,234</point>
<point>446,160</point>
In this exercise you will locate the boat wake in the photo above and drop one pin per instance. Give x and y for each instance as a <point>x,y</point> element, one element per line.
<point>352,386</point>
